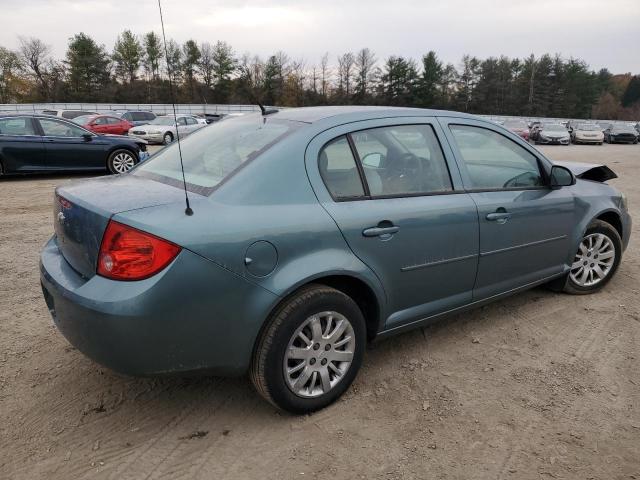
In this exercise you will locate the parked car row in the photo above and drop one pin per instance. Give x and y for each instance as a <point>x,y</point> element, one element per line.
<point>575,132</point>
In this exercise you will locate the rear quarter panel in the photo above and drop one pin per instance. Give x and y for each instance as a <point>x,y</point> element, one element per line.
<point>270,200</point>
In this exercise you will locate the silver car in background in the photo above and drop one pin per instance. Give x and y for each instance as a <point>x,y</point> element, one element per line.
<point>165,129</point>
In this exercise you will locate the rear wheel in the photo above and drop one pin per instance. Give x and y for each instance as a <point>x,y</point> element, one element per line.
<point>167,138</point>
<point>121,161</point>
<point>310,351</point>
<point>596,260</point>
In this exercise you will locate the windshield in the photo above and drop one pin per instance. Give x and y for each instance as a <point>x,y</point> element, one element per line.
<point>554,127</point>
<point>515,124</point>
<point>589,128</point>
<point>82,119</point>
<point>163,121</point>
<point>624,128</point>
<point>214,153</point>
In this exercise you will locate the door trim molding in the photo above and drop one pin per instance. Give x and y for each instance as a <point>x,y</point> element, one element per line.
<point>437,262</point>
<point>523,245</point>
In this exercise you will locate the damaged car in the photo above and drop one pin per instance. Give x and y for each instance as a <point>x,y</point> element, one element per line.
<point>291,239</point>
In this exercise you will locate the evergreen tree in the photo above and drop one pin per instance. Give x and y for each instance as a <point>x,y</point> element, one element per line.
<point>224,65</point>
<point>88,68</point>
<point>152,55</point>
<point>127,56</point>
<point>428,92</point>
<point>632,93</point>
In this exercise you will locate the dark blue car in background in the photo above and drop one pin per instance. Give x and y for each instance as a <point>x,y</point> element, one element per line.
<point>42,143</point>
<point>313,231</point>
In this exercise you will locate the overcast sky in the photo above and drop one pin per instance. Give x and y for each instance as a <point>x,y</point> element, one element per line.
<point>604,33</point>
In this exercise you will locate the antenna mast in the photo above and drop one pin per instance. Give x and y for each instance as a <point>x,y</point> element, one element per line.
<point>188,210</point>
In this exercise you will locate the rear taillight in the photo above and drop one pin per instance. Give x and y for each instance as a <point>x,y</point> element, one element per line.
<point>127,253</point>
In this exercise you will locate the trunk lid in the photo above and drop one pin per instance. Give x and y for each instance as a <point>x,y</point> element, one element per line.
<point>82,211</point>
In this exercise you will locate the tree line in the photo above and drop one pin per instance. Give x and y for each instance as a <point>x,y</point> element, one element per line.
<point>139,67</point>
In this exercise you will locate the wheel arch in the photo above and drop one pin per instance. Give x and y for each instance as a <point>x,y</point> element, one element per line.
<point>351,285</point>
<point>121,147</point>
<point>613,218</point>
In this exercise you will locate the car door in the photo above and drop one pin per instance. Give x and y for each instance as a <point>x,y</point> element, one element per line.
<point>192,124</point>
<point>100,125</point>
<point>389,186</point>
<point>67,148</point>
<point>21,148</point>
<point>525,225</point>
<point>183,129</point>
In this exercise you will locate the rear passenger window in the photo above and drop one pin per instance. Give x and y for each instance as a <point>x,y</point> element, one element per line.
<point>402,160</point>
<point>339,171</point>
<point>16,126</point>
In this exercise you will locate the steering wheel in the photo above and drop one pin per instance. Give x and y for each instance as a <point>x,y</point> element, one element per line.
<point>526,179</point>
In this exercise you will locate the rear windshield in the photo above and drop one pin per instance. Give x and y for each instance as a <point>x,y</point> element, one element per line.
<point>588,128</point>
<point>554,127</point>
<point>82,119</point>
<point>71,114</point>
<point>214,153</point>
<point>163,121</point>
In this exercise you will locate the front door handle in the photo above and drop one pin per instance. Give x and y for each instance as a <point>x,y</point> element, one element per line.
<point>380,231</point>
<point>499,216</point>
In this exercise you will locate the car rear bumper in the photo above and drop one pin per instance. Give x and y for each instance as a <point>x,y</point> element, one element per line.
<point>193,316</point>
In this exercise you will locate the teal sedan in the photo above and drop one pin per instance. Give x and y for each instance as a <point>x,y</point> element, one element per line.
<point>312,232</point>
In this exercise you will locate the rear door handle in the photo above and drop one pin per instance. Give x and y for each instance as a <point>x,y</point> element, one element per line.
<point>380,231</point>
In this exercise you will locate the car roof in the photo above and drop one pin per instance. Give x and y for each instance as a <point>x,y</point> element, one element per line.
<point>35,115</point>
<point>358,112</point>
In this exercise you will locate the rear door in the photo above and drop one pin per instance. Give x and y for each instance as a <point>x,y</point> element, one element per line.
<point>21,148</point>
<point>389,186</point>
<point>100,125</point>
<point>66,148</point>
<point>525,226</point>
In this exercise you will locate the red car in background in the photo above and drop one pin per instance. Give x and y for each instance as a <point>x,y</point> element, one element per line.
<point>519,127</point>
<point>105,124</point>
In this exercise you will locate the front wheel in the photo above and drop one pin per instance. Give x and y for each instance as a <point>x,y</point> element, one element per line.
<point>310,351</point>
<point>596,260</point>
<point>167,138</point>
<point>121,161</point>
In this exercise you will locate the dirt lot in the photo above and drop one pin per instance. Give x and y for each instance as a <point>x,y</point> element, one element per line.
<point>541,385</point>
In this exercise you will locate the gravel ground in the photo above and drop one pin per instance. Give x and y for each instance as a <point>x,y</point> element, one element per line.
<point>541,385</point>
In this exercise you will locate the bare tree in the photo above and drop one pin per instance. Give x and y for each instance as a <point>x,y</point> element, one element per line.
<point>324,75</point>
<point>36,56</point>
<point>206,64</point>
<point>365,61</point>
<point>346,67</point>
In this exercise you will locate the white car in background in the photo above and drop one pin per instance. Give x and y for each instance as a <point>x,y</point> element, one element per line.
<point>166,128</point>
<point>587,133</point>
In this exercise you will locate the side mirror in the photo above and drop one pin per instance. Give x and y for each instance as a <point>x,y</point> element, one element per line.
<point>372,160</point>
<point>561,177</point>
<point>87,137</point>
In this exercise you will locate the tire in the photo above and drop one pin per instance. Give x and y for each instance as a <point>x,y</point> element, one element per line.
<point>121,161</point>
<point>597,228</point>
<point>284,332</point>
<point>167,138</point>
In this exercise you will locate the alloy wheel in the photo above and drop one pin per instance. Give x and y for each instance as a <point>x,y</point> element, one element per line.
<point>593,261</point>
<point>123,162</point>
<point>319,354</point>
